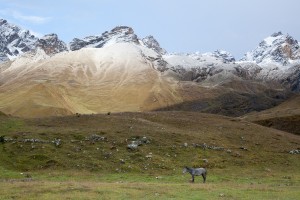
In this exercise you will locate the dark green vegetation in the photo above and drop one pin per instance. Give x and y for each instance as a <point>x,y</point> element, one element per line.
<point>86,156</point>
<point>2,114</point>
<point>289,123</point>
<point>234,103</point>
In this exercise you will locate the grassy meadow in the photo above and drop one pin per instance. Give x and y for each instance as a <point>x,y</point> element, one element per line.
<point>86,157</point>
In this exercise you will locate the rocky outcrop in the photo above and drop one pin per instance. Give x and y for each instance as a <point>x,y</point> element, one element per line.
<point>51,44</point>
<point>224,55</point>
<point>153,44</point>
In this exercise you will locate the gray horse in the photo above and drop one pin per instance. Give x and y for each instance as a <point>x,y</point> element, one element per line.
<point>196,172</point>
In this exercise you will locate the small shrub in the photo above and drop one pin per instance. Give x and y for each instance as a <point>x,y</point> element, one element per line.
<point>2,140</point>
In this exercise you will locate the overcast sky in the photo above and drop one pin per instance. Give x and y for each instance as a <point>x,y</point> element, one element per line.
<point>179,25</point>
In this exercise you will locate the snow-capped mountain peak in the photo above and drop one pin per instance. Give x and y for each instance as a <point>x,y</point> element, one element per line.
<point>2,21</point>
<point>14,40</point>
<point>277,49</point>
<point>116,35</point>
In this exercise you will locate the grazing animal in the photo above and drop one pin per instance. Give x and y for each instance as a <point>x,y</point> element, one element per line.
<point>196,172</point>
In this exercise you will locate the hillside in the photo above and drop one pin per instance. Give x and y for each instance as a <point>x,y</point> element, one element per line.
<point>119,78</point>
<point>285,116</point>
<point>165,141</point>
<point>115,78</point>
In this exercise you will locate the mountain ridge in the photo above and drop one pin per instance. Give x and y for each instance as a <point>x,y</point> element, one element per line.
<point>117,71</point>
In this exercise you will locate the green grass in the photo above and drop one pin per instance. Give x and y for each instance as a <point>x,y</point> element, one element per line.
<point>8,125</point>
<point>144,186</point>
<point>106,169</point>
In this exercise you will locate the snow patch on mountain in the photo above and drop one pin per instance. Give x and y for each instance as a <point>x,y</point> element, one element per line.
<point>26,59</point>
<point>198,67</point>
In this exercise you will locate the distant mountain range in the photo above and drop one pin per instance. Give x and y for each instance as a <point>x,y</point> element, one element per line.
<point>118,71</point>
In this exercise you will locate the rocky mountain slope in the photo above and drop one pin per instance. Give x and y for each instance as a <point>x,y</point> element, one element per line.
<point>277,49</point>
<point>51,44</point>
<point>276,59</point>
<point>118,71</point>
<point>14,41</point>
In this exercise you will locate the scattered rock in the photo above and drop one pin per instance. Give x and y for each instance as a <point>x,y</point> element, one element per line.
<point>144,140</point>
<point>33,141</point>
<point>205,146</point>
<point>57,142</point>
<point>113,147</point>
<point>133,145</point>
<point>185,144</point>
<point>244,148</point>
<point>148,156</point>
<point>205,160</point>
<point>237,154</point>
<point>122,161</point>
<point>296,151</point>
<point>107,155</point>
<point>95,138</point>
<point>138,142</point>
<point>267,169</point>
<point>287,177</point>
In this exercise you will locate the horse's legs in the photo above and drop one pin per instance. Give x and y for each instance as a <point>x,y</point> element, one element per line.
<point>204,177</point>
<point>193,178</point>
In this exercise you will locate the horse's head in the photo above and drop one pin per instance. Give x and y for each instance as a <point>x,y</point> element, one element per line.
<point>184,170</point>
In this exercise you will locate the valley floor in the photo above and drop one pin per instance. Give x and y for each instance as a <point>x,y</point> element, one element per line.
<point>94,157</point>
<point>268,185</point>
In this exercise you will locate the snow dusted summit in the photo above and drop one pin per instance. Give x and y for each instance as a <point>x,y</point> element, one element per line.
<point>15,41</point>
<point>276,58</point>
